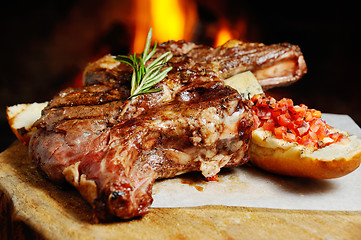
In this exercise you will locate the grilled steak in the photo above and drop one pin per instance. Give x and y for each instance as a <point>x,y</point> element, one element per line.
<point>274,65</point>
<point>112,149</point>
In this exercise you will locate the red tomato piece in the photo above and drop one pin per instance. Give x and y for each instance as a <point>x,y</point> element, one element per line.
<point>280,132</point>
<point>269,125</point>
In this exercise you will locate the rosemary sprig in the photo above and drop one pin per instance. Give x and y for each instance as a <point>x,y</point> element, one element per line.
<point>145,77</point>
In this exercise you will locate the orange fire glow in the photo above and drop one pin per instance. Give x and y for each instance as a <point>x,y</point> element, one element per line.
<point>223,35</point>
<point>170,19</point>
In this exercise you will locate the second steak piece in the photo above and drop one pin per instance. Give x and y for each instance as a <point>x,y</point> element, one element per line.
<point>274,65</point>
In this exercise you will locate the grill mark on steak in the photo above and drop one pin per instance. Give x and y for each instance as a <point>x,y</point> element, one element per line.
<point>89,95</point>
<point>195,124</point>
<point>90,102</point>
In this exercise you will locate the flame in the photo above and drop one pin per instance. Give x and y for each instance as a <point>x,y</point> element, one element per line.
<point>223,35</point>
<point>142,16</point>
<point>227,31</point>
<point>170,20</point>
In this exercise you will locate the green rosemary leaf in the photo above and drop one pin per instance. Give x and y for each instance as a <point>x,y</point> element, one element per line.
<point>144,76</point>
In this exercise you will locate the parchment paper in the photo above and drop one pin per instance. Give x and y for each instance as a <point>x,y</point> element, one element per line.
<point>247,186</point>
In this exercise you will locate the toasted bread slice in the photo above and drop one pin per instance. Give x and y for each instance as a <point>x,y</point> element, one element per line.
<point>21,118</point>
<point>291,158</point>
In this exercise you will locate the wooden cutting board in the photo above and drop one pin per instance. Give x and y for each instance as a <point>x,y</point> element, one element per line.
<point>31,207</point>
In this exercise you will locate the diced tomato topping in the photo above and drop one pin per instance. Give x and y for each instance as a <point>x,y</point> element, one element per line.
<point>293,123</point>
<point>280,132</point>
<point>302,128</point>
<point>315,113</point>
<point>285,120</point>
<point>336,136</point>
<point>290,136</point>
<point>269,125</point>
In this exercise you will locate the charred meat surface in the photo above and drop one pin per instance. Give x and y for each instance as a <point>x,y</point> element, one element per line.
<point>112,149</point>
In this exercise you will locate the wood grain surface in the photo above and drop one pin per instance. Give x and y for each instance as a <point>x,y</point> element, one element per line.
<point>31,207</point>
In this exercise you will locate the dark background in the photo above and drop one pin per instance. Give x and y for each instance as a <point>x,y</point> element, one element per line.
<point>46,44</point>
